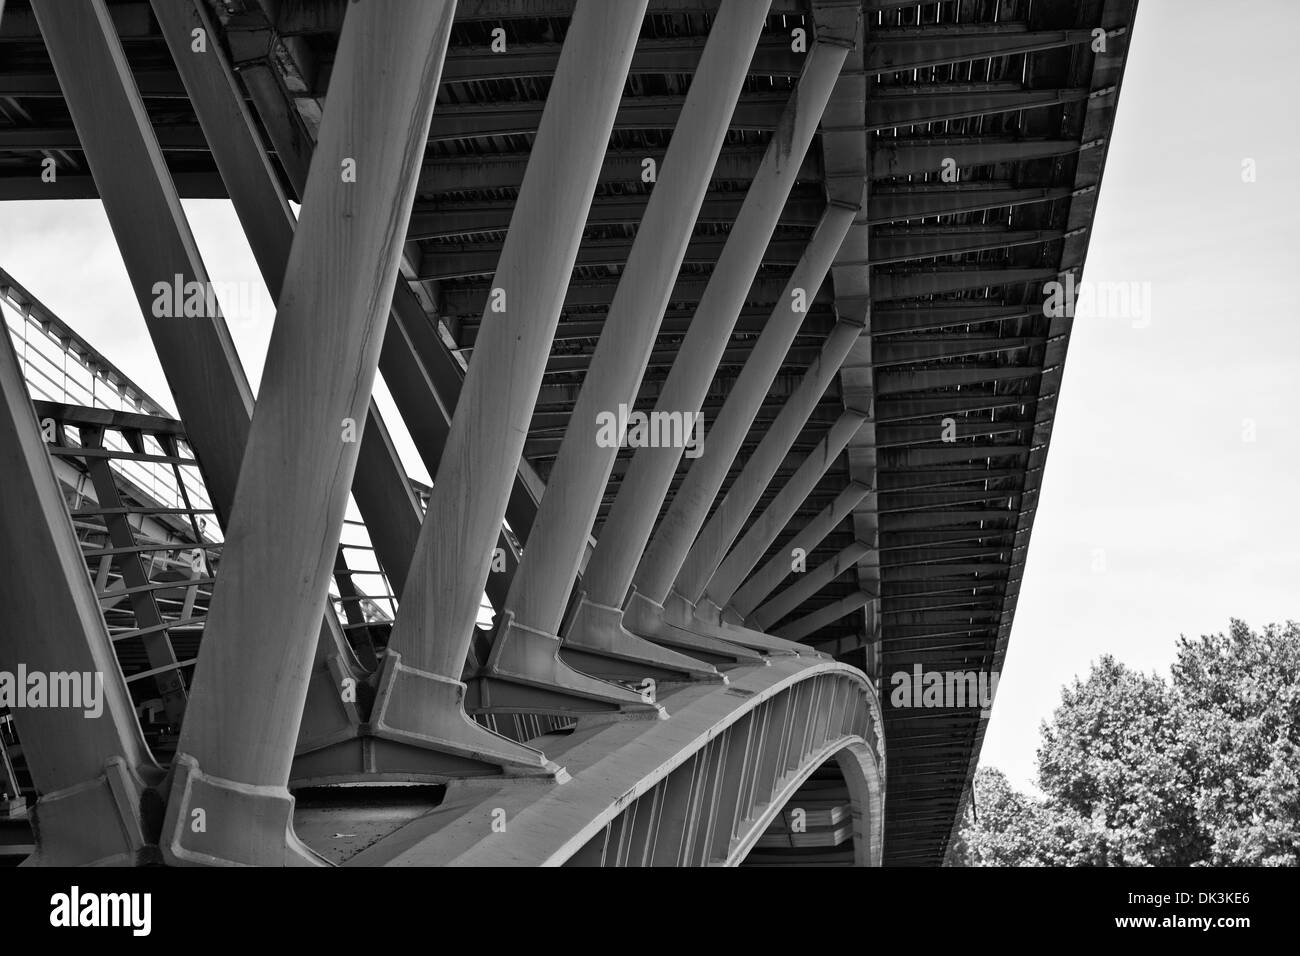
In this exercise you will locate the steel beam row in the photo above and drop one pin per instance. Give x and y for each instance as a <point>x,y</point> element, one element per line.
<point>683,584</point>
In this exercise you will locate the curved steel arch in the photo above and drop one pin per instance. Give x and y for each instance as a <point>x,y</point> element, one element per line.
<point>712,808</point>
<point>697,788</point>
<point>865,776</point>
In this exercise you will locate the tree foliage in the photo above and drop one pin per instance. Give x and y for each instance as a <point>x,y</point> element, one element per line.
<point>1201,769</point>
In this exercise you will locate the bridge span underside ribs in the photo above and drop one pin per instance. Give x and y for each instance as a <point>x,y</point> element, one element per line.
<point>723,330</point>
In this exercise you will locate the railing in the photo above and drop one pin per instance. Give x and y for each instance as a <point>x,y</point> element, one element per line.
<point>143,515</point>
<point>59,366</point>
<point>148,531</point>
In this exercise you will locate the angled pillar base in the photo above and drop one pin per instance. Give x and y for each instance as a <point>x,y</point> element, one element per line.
<point>418,731</point>
<point>112,820</point>
<point>426,710</point>
<point>597,641</point>
<point>525,673</point>
<point>707,618</point>
<point>212,821</point>
<point>650,620</point>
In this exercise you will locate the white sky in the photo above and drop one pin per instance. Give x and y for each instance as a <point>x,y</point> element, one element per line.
<point>1148,461</point>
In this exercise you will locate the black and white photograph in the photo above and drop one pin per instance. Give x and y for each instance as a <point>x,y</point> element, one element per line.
<point>675,434</point>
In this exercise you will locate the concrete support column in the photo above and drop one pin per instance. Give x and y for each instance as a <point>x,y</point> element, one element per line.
<point>807,585</point>
<point>526,646</point>
<point>743,496</point>
<point>779,566</point>
<point>380,486</point>
<point>234,756</point>
<point>425,383</point>
<point>197,354</point>
<point>810,624</point>
<point>765,528</point>
<point>420,696</point>
<point>88,760</point>
<point>419,372</point>
<point>627,528</point>
<point>144,210</point>
<point>381,489</point>
<point>695,495</point>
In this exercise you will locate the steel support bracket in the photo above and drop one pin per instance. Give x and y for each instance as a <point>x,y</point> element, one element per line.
<point>651,621</point>
<point>707,618</point>
<point>212,821</point>
<point>525,673</point>
<point>597,641</point>
<point>418,730</point>
<point>111,820</point>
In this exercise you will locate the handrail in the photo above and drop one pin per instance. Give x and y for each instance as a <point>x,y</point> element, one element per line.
<point>13,294</point>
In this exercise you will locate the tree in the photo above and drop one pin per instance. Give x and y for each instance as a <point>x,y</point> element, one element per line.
<point>1241,695</point>
<point>1203,769</point>
<point>1012,829</point>
<point>1116,754</point>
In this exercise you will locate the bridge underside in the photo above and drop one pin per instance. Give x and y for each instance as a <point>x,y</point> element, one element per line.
<point>827,226</point>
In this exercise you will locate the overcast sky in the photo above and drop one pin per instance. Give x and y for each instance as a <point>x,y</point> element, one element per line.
<point>1158,517</point>
<point>1149,460</point>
